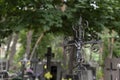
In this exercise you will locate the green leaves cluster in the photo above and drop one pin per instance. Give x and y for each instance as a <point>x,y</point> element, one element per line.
<point>29,14</point>
<point>46,14</point>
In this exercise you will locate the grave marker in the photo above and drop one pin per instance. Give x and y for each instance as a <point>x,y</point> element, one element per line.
<point>111,70</point>
<point>49,55</point>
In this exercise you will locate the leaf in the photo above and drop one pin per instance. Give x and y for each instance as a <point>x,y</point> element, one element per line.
<point>46,28</point>
<point>49,6</point>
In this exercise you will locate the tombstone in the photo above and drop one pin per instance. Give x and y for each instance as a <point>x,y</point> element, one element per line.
<point>52,65</point>
<point>112,69</point>
<point>36,68</point>
<point>55,69</point>
<point>88,72</point>
<point>34,63</point>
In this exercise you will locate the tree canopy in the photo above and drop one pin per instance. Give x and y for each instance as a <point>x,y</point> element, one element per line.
<point>46,14</point>
<point>57,16</point>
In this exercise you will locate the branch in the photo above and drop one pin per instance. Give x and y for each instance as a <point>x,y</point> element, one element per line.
<point>36,44</point>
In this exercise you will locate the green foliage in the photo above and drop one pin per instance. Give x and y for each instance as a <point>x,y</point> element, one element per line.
<point>105,36</point>
<point>99,73</point>
<point>42,47</point>
<point>116,51</point>
<point>34,14</point>
<point>30,14</point>
<point>19,54</point>
<point>53,41</point>
<point>57,45</point>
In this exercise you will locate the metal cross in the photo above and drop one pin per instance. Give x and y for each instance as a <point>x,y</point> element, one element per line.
<point>49,55</point>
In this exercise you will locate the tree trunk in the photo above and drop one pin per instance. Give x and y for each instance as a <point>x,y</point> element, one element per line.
<point>29,39</point>
<point>36,44</point>
<point>8,46</point>
<point>13,49</point>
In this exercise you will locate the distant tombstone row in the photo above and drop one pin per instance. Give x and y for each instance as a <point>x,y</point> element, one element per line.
<point>112,69</point>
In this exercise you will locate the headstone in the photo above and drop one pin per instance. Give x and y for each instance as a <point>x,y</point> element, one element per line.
<point>49,65</point>
<point>89,72</point>
<point>55,69</point>
<point>86,72</point>
<point>34,63</point>
<point>111,69</point>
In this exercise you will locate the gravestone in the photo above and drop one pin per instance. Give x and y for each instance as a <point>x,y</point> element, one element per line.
<point>51,65</point>
<point>55,69</point>
<point>34,63</point>
<point>112,69</point>
<point>88,72</point>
